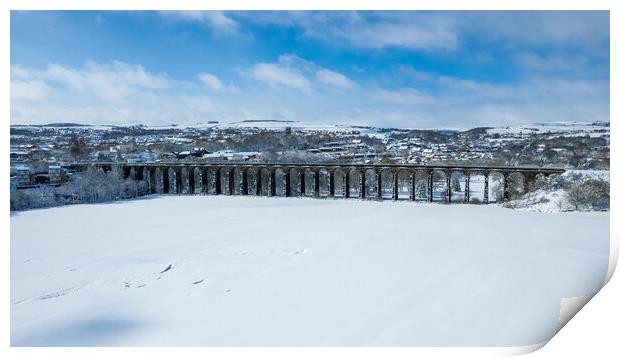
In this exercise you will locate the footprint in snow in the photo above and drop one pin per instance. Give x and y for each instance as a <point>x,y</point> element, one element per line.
<point>56,294</point>
<point>170,266</point>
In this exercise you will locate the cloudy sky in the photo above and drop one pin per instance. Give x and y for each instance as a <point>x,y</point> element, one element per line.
<point>391,69</point>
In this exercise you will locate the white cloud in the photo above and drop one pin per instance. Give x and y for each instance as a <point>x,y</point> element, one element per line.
<point>115,81</point>
<point>277,74</point>
<point>212,18</point>
<point>556,28</point>
<point>373,30</point>
<point>334,79</point>
<point>443,31</point>
<point>29,90</point>
<point>19,72</point>
<point>121,93</point>
<point>416,74</point>
<point>211,81</point>
<point>400,34</point>
<point>295,72</point>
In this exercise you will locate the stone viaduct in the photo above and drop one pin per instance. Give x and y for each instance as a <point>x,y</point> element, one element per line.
<point>264,178</point>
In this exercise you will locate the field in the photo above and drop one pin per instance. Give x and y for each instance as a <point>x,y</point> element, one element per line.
<point>248,271</point>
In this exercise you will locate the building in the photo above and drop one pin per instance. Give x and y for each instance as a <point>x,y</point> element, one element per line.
<point>22,178</point>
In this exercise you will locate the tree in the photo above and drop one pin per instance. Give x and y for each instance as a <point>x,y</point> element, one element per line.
<point>456,184</point>
<point>591,194</point>
<point>78,148</point>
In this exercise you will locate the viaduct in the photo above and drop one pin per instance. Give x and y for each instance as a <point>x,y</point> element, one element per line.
<point>263,178</point>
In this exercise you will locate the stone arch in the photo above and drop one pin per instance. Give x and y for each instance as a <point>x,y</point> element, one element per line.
<point>306,182</point>
<point>153,180</point>
<point>184,180</point>
<point>294,173</point>
<point>241,173</point>
<point>204,180</point>
<point>516,185</point>
<point>331,182</point>
<point>440,186</point>
<point>263,183</point>
<point>384,182</point>
<point>143,177</point>
<point>340,181</point>
<point>474,186</point>
<point>353,177</point>
<point>271,182</point>
<point>540,180</point>
<point>127,172</point>
<point>139,173</point>
<point>253,177</point>
<point>178,179</point>
<point>370,178</point>
<point>216,180</point>
<point>169,180</point>
<point>421,179</point>
<point>159,180</point>
<point>289,183</point>
<point>321,180</point>
<point>399,181</point>
<point>106,168</point>
<point>532,180</point>
<point>195,180</point>
<point>229,180</point>
<point>281,177</point>
<point>457,186</point>
<point>496,186</point>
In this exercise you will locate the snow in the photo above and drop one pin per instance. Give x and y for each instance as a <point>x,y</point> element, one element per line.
<point>573,129</point>
<point>552,198</point>
<point>256,271</point>
<point>262,124</point>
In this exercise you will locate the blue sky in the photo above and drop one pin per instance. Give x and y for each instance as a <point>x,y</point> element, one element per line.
<point>394,68</point>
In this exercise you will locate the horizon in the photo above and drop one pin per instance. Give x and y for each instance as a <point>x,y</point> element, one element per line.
<point>387,69</point>
<point>219,123</point>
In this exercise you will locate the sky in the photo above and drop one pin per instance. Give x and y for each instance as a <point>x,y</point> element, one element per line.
<point>406,69</point>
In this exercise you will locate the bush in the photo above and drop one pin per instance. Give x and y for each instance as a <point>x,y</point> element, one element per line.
<point>92,185</point>
<point>475,201</point>
<point>591,194</point>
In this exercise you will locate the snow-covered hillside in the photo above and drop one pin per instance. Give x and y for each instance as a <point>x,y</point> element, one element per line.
<point>563,128</point>
<point>240,271</point>
<point>552,197</point>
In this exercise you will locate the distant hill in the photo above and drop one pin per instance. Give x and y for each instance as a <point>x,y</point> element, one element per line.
<point>55,125</point>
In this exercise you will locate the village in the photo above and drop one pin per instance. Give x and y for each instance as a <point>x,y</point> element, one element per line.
<point>39,153</point>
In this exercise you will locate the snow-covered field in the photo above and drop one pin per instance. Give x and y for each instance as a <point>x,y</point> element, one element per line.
<point>564,128</point>
<point>202,271</point>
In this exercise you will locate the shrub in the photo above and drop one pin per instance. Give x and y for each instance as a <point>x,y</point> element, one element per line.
<point>475,201</point>
<point>92,185</point>
<point>591,194</point>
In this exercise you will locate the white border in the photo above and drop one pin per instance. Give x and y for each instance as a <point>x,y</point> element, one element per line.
<point>593,329</point>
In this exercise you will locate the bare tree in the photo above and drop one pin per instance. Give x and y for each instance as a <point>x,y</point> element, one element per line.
<point>591,194</point>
